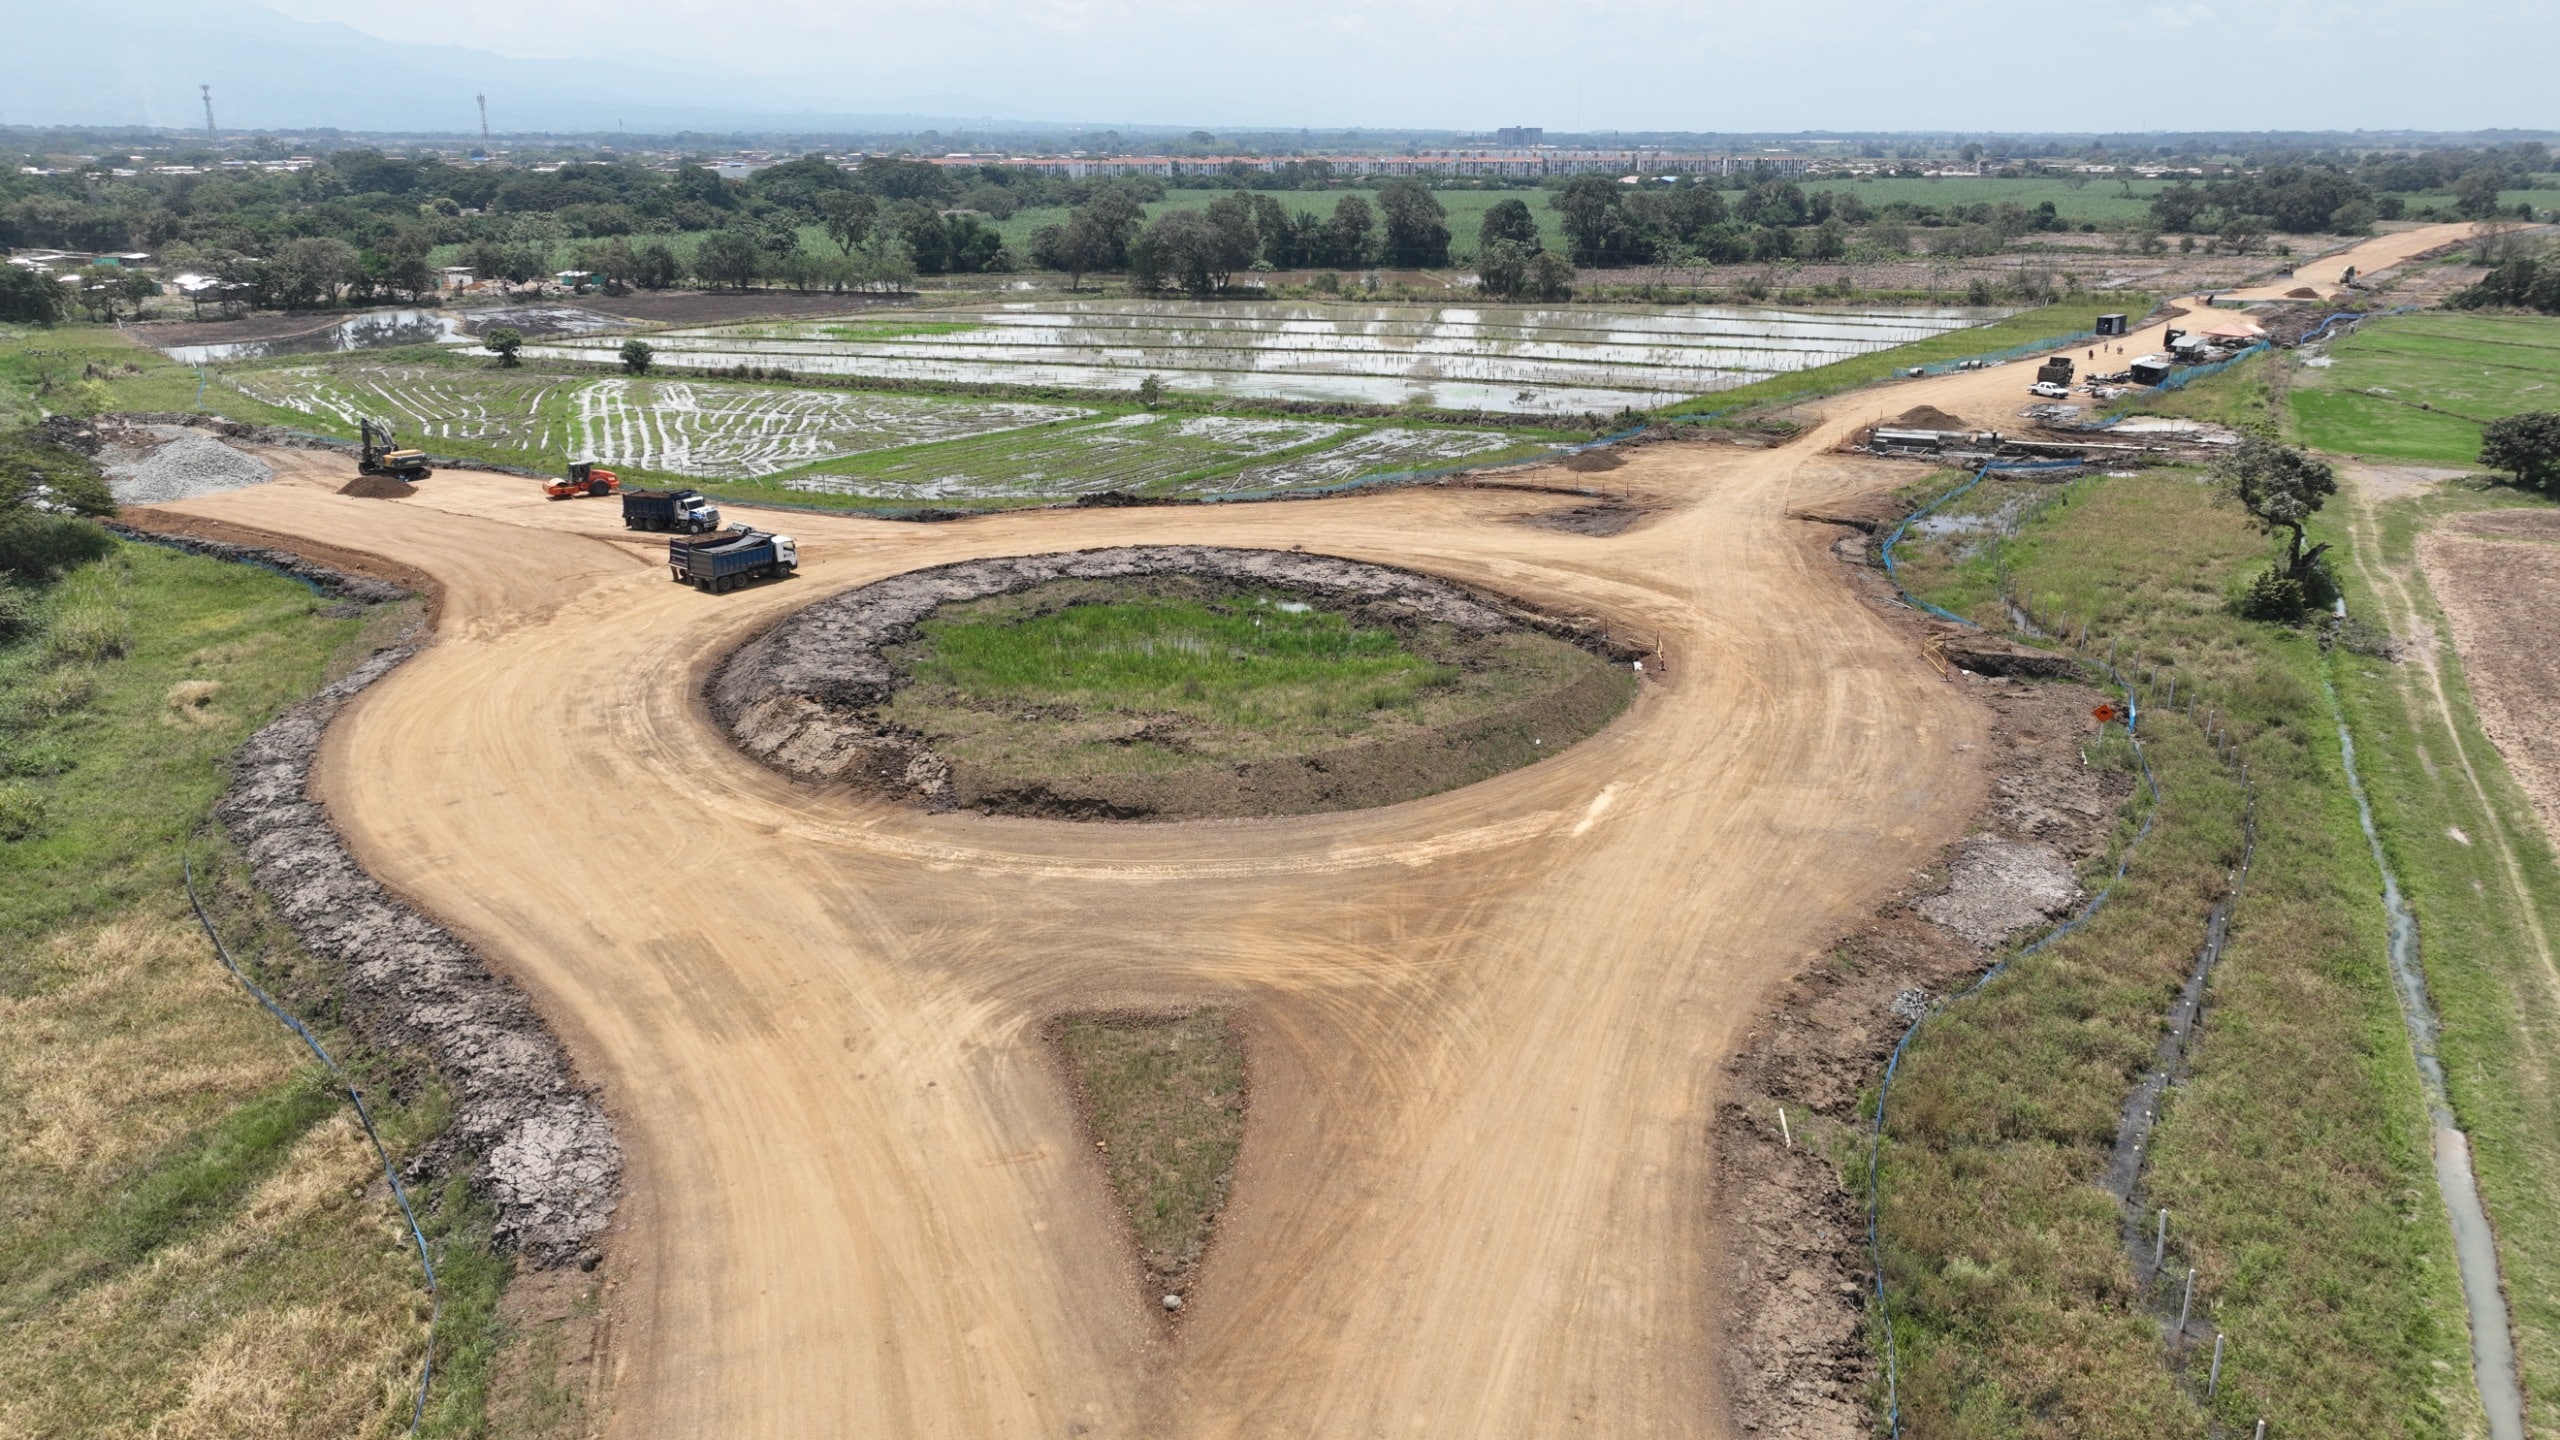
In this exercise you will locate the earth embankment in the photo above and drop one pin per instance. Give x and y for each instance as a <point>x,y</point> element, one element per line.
<point>809,696</point>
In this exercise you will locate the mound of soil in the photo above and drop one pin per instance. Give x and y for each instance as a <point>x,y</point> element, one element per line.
<point>1587,461</point>
<point>2302,292</point>
<point>1927,417</point>
<point>378,487</point>
<point>1606,517</point>
<point>808,697</point>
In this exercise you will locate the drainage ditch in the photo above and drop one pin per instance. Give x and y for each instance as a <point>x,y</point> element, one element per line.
<point>2475,1251</point>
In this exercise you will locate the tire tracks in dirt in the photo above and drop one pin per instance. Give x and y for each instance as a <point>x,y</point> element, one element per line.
<point>1476,1195</point>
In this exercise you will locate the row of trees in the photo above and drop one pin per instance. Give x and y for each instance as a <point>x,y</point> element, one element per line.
<point>2333,199</point>
<point>1202,250</point>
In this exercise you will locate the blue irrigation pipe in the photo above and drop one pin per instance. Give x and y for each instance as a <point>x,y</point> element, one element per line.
<point>1893,1063</point>
<point>390,1172</point>
<point>1894,575</point>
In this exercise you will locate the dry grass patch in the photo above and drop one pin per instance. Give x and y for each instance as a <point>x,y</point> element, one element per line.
<point>131,1038</point>
<point>190,703</point>
<point>267,1324</point>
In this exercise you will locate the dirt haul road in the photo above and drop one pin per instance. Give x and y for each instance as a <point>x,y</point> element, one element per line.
<point>1485,1026</point>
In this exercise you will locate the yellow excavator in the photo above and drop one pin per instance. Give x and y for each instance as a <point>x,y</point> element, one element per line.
<point>374,456</point>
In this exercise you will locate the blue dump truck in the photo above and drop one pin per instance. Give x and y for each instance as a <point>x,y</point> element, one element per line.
<point>726,561</point>
<point>684,510</point>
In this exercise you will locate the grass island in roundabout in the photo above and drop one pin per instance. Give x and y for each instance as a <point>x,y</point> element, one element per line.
<point>1167,682</point>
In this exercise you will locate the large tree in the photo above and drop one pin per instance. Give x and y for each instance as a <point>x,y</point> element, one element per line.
<point>848,216</point>
<point>1079,247</point>
<point>1508,220</point>
<point>728,259</point>
<point>1417,230</point>
<point>2527,446</point>
<point>1346,235</point>
<point>1597,230</point>
<point>1502,267</point>
<point>2281,488</point>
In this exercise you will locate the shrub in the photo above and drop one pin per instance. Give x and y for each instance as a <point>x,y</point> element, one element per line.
<point>17,614</point>
<point>59,691</point>
<point>88,632</point>
<point>21,813</point>
<point>637,356</point>
<point>33,469</point>
<point>2527,446</point>
<point>35,546</point>
<point>2275,596</point>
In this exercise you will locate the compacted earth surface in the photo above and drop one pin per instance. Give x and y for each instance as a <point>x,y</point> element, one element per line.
<point>1479,1188</point>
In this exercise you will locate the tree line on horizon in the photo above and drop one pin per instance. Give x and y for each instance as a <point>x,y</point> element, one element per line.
<point>362,226</point>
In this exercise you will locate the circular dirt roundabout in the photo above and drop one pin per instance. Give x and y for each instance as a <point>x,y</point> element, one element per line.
<point>1166,682</point>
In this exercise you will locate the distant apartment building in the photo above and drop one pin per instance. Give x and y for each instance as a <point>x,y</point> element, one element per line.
<point>1520,137</point>
<point>1509,163</point>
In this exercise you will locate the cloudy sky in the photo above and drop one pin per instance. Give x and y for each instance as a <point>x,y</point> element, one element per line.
<point>1758,65</point>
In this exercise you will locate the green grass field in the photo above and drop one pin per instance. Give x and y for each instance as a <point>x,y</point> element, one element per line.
<point>2100,202</point>
<point>2294,1157</point>
<point>2419,387</point>
<point>1177,675</point>
<point>191,1238</point>
<point>2482,925</point>
<point>1165,1095</point>
<point>1257,662</point>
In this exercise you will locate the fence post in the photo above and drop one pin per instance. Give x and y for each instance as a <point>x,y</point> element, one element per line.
<point>2184,1305</point>
<point>2213,1382</point>
<point>2160,1242</point>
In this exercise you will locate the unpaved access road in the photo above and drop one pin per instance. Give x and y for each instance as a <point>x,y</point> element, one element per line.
<point>1485,1026</point>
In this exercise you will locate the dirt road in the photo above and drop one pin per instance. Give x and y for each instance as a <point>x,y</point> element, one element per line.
<point>1474,1198</point>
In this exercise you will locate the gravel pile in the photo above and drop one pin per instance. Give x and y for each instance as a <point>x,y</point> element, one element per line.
<point>152,464</point>
<point>2001,886</point>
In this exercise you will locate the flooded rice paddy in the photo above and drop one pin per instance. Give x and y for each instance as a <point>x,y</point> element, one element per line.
<point>1556,361</point>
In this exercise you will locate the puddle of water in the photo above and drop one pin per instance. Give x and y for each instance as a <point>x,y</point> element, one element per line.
<point>2475,1251</point>
<point>383,329</point>
<point>379,330</point>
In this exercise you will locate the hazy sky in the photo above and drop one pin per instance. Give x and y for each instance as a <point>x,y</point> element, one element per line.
<point>1573,64</point>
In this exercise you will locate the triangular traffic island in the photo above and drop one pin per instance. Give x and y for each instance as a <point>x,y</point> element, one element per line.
<point>1161,1101</point>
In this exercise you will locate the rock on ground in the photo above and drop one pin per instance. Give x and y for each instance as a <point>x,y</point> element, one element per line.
<point>2001,886</point>
<point>547,1160</point>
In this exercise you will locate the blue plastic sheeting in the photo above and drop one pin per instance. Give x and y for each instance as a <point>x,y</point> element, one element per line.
<point>2181,379</point>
